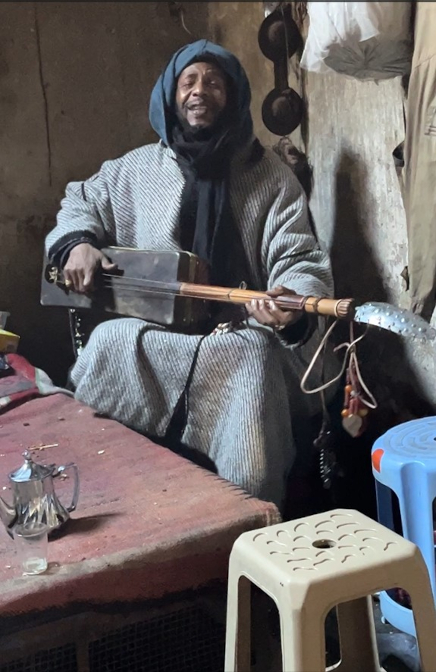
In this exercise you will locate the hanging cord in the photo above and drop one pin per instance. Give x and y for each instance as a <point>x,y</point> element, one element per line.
<point>182,19</point>
<point>323,441</point>
<point>177,11</point>
<point>299,11</point>
<point>285,28</point>
<point>179,418</point>
<point>350,357</point>
<point>354,368</point>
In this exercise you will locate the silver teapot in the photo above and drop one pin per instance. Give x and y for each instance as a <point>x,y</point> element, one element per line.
<point>35,499</point>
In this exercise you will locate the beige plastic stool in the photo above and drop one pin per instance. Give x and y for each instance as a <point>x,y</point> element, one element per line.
<point>310,565</point>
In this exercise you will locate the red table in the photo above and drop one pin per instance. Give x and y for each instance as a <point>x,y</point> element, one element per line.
<point>148,523</point>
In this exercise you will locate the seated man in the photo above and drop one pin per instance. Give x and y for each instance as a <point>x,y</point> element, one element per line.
<point>208,187</point>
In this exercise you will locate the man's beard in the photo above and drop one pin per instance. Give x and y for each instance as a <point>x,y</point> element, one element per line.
<point>198,130</point>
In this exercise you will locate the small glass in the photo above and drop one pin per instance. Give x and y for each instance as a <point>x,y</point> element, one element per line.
<point>31,541</point>
<point>3,318</point>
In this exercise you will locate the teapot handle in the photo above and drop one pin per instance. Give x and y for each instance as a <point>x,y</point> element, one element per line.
<point>73,504</point>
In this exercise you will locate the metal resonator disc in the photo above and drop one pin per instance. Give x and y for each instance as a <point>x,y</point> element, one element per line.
<point>397,320</point>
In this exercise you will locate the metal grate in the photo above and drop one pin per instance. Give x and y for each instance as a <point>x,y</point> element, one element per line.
<point>60,659</point>
<point>188,640</point>
<point>172,636</point>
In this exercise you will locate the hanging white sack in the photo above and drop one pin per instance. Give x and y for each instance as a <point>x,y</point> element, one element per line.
<point>366,40</point>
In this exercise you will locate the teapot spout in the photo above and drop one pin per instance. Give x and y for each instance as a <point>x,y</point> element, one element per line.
<point>7,514</point>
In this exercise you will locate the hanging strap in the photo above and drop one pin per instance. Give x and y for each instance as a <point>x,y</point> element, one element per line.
<point>179,419</point>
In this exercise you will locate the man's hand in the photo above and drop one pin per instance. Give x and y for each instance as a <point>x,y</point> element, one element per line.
<point>268,313</point>
<point>83,261</point>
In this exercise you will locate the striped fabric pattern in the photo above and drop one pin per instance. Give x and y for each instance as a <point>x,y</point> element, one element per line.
<point>245,393</point>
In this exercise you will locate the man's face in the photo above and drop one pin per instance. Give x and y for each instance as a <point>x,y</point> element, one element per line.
<point>201,94</point>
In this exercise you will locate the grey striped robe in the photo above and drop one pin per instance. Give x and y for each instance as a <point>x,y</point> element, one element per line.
<point>245,396</point>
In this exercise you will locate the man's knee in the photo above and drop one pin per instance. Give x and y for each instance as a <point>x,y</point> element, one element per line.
<point>242,346</point>
<point>116,331</point>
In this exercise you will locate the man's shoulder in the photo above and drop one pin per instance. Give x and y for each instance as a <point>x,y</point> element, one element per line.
<point>135,159</point>
<point>275,163</point>
<point>273,170</point>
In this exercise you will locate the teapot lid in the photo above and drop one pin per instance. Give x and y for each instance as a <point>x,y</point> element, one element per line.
<point>30,471</point>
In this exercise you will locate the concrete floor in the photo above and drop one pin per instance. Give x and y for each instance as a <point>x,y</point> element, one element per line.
<point>398,651</point>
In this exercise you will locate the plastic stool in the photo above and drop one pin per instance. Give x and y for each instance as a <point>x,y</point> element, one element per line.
<point>404,461</point>
<point>310,565</point>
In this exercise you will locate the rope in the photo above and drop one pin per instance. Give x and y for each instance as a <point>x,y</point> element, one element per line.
<point>350,357</point>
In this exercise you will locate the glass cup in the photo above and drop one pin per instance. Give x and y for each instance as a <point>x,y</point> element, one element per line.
<point>3,318</point>
<point>31,542</point>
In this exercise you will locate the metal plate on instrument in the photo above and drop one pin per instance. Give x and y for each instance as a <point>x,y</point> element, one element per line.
<point>397,320</point>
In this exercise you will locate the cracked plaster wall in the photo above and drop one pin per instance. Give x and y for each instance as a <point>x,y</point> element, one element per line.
<point>75,79</point>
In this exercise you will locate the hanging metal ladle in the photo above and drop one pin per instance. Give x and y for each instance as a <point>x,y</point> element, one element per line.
<point>279,38</point>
